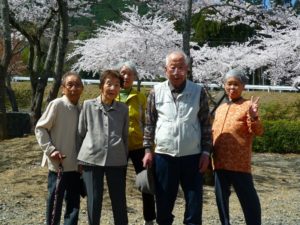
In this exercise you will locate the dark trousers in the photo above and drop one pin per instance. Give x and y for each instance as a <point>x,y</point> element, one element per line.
<point>69,190</point>
<point>93,177</point>
<point>246,193</point>
<point>169,173</point>
<point>136,157</point>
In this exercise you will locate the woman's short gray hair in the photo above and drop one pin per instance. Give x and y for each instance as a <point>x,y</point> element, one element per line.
<point>237,73</point>
<point>130,65</point>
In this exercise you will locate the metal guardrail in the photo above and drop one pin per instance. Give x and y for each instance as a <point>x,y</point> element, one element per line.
<point>211,86</point>
<point>270,88</point>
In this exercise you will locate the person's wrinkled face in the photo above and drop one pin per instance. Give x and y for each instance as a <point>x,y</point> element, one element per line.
<point>110,89</point>
<point>72,88</point>
<point>234,88</point>
<point>176,70</point>
<point>128,77</point>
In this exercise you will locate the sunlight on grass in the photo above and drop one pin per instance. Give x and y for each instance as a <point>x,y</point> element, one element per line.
<point>267,99</point>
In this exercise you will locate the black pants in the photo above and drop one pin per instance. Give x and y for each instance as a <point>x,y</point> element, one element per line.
<point>69,190</point>
<point>93,177</point>
<point>246,193</point>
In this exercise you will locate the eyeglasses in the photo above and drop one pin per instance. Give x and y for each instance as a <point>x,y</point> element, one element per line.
<point>175,70</point>
<point>75,85</point>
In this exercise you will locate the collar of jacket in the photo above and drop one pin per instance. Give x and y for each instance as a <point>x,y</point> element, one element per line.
<point>132,93</point>
<point>99,105</point>
<point>70,104</point>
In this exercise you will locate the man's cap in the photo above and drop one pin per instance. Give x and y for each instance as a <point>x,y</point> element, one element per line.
<point>145,181</point>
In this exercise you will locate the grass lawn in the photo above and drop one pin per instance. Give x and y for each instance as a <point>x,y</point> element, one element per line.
<point>282,99</point>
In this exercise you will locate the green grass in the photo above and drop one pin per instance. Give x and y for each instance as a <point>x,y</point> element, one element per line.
<point>273,105</point>
<point>280,112</point>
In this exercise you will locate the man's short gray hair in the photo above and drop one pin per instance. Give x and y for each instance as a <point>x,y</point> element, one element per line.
<point>177,52</point>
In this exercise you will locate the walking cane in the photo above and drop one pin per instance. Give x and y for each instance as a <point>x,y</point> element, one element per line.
<point>58,180</point>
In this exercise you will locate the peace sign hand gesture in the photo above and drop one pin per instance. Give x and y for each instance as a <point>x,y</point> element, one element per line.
<point>253,108</point>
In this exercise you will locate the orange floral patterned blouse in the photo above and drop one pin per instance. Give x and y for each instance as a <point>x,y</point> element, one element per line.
<point>233,133</point>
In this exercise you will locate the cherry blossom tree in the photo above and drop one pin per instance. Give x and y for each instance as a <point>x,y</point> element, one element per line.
<point>279,54</point>
<point>275,47</point>
<point>277,34</point>
<point>231,12</point>
<point>143,39</point>
<point>180,10</point>
<point>235,12</point>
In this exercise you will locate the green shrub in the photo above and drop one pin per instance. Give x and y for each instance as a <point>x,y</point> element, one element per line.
<point>279,111</point>
<point>280,136</point>
<point>23,97</point>
<point>273,111</point>
<point>295,109</point>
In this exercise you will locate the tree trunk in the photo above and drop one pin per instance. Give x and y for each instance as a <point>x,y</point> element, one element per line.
<point>41,83</point>
<point>186,34</point>
<point>52,49</point>
<point>38,86</point>
<point>12,99</point>
<point>38,100</point>
<point>2,89</point>
<point>39,77</point>
<point>139,84</point>
<point>3,121</point>
<point>56,83</point>
<point>11,95</point>
<point>33,79</point>
<point>62,48</point>
<point>5,59</point>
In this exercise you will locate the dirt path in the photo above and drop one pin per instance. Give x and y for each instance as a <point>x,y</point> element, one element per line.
<point>23,190</point>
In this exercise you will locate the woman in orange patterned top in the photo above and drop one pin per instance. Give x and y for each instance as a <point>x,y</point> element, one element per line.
<point>236,123</point>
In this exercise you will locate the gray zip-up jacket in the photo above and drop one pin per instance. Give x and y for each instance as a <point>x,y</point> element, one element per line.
<point>103,133</point>
<point>178,129</point>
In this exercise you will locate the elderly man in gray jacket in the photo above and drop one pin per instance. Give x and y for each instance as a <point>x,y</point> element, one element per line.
<point>177,139</point>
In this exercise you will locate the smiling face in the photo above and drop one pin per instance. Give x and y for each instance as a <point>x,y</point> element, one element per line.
<point>234,88</point>
<point>72,88</point>
<point>110,89</point>
<point>128,77</point>
<point>176,69</point>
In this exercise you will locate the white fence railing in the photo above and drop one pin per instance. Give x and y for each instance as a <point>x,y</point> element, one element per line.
<point>211,86</point>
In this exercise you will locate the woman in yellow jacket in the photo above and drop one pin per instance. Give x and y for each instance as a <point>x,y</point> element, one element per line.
<point>136,102</point>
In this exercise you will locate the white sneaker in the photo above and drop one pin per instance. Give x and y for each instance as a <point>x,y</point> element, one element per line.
<point>148,223</point>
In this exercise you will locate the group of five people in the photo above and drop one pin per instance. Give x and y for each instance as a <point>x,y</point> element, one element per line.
<point>170,132</point>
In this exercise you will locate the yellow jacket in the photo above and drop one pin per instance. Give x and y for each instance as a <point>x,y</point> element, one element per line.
<point>136,103</point>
